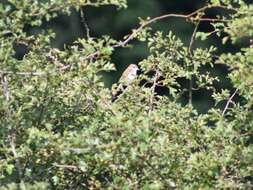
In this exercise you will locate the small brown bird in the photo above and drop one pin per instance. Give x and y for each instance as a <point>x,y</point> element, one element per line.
<point>129,74</point>
<point>126,79</point>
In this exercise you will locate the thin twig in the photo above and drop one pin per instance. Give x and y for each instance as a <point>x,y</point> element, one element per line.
<point>65,166</point>
<point>157,172</point>
<point>5,87</point>
<point>214,31</point>
<point>190,52</point>
<point>193,37</point>
<point>229,101</point>
<point>12,133</point>
<point>151,101</point>
<point>43,105</point>
<point>14,152</point>
<point>76,150</point>
<point>85,23</point>
<point>23,73</point>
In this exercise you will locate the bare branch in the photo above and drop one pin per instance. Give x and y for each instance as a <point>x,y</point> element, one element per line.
<point>190,16</point>
<point>5,87</point>
<point>14,152</point>
<point>85,23</point>
<point>169,183</point>
<point>76,150</point>
<point>155,83</point>
<point>193,37</point>
<point>12,133</point>
<point>229,101</point>
<point>23,73</point>
<point>65,166</point>
<point>190,52</point>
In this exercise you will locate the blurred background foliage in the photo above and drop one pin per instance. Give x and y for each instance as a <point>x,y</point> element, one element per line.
<point>108,20</point>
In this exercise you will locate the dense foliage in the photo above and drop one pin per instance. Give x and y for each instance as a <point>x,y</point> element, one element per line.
<point>60,129</point>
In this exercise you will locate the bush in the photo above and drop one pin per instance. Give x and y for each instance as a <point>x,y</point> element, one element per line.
<point>60,128</point>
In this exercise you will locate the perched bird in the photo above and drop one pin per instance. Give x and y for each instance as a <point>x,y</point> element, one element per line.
<point>129,74</point>
<point>126,79</point>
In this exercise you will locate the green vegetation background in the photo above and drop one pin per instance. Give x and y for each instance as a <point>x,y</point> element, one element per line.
<point>61,129</point>
<point>107,20</point>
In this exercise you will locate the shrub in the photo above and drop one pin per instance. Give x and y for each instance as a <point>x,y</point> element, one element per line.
<point>60,128</point>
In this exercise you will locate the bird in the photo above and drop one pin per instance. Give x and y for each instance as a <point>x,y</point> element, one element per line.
<point>129,74</point>
<point>126,79</point>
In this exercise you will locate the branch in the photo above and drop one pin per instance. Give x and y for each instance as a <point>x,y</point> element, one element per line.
<point>85,23</point>
<point>156,171</point>
<point>153,20</point>
<point>16,157</point>
<point>188,16</point>
<point>5,87</point>
<point>12,133</point>
<point>190,52</point>
<point>23,73</point>
<point>43,105</point>
<point>76,150</point>
<point>151,100</point>
<point>193,38</point>
<point>229,101</point>
<point>65,166</point>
